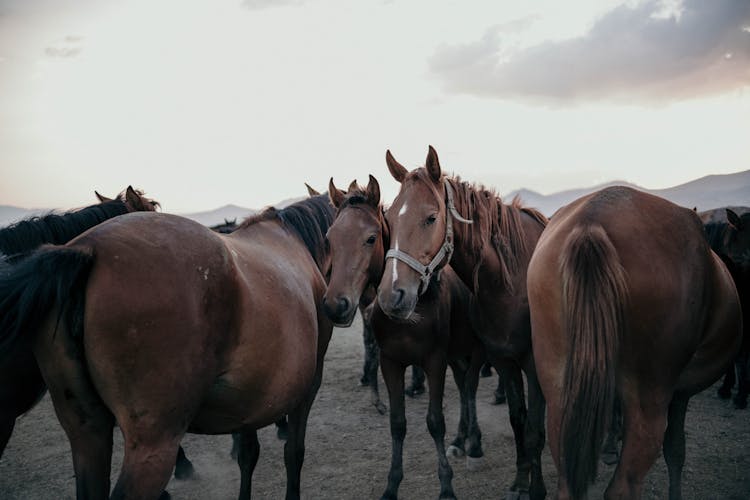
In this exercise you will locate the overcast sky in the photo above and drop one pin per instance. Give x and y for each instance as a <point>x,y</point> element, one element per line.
<point>204,103</point>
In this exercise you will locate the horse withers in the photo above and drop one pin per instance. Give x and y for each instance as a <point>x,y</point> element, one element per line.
<point>183,330</point>
<point>438,335</point>
<point>627,303</point>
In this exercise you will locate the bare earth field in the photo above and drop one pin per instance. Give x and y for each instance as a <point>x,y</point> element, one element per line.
<point>348,449</point>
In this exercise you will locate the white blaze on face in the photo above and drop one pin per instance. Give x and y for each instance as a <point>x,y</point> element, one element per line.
<point>402,211</point>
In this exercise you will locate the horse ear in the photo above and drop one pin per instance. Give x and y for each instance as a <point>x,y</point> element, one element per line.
<point>397,170</point>
<point>311,191</point>
<point>134,199</point>
<point>734,219</point>
<point>373,192</point>
<point>102,198</point>
<point>352,186</point>
<point>432,164</point>
<point>335,194</point>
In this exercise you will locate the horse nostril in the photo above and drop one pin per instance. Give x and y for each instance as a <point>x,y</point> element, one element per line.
<point>343,304</point>
<point>398,297</point>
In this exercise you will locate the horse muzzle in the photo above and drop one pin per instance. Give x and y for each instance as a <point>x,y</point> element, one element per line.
<point>340,310</point>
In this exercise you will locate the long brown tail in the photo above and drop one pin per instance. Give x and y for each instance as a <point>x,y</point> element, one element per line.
<point>594,293</point>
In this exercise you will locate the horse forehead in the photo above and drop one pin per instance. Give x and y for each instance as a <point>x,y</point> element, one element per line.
<point>354,218</point>
<point>415,196</point>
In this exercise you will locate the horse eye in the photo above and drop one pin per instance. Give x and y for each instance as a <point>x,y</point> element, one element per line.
<point>430,220</point>
<point>371,240</point>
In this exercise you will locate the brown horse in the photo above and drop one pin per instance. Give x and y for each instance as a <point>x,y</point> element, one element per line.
<point>728,235</point>
<point>22,385</point>
<point>627,303</point>
<point>489,253</point>
<point>237,316</point>
<point>439,334</point>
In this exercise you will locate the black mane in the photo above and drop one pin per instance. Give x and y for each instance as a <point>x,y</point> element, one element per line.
<point>309,219</point>
<point>20,238</point>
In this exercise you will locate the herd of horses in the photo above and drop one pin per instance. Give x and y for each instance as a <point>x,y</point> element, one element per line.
<point>617,310</point>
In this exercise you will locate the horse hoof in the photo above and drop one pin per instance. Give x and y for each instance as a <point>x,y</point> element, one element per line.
<point>282,434</point>
<point>165,496</point>
<point>454,451</point>
<point>740,404</point>
<point>517,495</point>
<point>473,464</point>
<point>610,457</point>
<point>724,393</point>
<point>380,407</point>
<point>499,400</point>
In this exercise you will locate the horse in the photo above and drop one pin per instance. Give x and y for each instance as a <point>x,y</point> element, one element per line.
<point>489,252</point>
<point>225,227</point>
<point>441,334</point>
<point>728,234</point>
<point>237,316</point>
<point>16,242</point>
<point>628,303</point>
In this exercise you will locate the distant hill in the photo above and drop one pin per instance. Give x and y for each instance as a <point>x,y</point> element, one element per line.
<point>221,214</point>
<point>711,191</point>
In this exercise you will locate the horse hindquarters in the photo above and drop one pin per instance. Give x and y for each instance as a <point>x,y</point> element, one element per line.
<point>579,342</point>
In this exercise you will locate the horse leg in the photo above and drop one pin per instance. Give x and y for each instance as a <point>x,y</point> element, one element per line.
<point>393,375</point>
<point>417,382</point>
<point>643,436</point>
<point>674,444</point>
<point>183,468</point>
<point>7,422</point>
<point>610,453</point>
<point>294,449</point>
<point>725,391</point>
<point>436,422</point>
<point>370,376</point>
<point>147,465</point>
<point>499,393</point>
<point>247,457</point>
<point>743,382</point>
<point>457,446</point>
<point>518,420</point>
<point>486,370</point>
<point>282,428</point>
<point>474,453</point>
<point>534,431</point>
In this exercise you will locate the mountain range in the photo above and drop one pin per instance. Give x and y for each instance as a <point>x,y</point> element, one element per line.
<point>711,191</point>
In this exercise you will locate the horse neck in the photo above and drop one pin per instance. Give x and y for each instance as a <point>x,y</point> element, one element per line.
<point>26,235</point>
<point>495,244</point>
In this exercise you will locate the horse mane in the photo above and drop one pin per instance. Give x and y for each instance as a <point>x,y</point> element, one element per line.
<point>309,219</point>
<point>26,235</point>
<point>496,225</point>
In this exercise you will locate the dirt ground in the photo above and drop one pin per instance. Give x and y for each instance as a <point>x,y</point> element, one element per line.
<point>348,449</point>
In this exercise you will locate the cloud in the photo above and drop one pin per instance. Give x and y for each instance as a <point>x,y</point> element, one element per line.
<point>651,52</point>
<point>265,4</point>
<point>70,46</point>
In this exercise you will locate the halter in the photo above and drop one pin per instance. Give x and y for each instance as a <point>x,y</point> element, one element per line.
<point>425,272</point>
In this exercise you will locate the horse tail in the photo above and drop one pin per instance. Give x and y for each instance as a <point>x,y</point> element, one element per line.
<point>51,276</point>
<point>594,292</point>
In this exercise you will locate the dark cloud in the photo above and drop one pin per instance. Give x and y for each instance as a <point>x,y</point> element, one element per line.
<point>632,53</point>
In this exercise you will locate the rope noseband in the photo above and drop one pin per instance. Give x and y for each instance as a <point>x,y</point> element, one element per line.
<point>446,250</point>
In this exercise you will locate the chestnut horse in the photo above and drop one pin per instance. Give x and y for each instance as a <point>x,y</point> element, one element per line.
<point>489,251</point>
<point>439,333</point>
<point>237,317</point>
<point>729,237</point>
<point>23,385</point>
<point>627,303</point>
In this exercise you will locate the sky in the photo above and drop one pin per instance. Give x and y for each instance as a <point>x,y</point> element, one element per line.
<point>205,103</point>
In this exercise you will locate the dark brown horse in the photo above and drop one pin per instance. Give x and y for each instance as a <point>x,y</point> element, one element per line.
<point>729,236</point>
<point>438,334</point>
<point>627,303</point>
<point>489,253</point>
<point>237,316</point>
<point>22,384</point>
